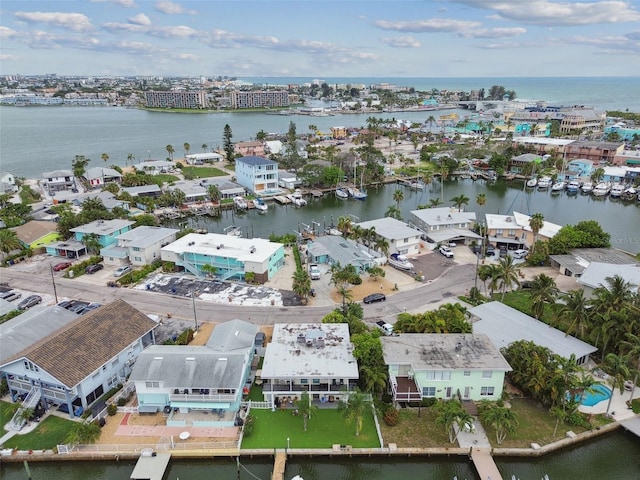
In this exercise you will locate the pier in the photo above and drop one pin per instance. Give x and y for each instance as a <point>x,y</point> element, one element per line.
<point>279,464</point>
<point>632,424</point>
<point>485,466</point>
<point>151,467</point>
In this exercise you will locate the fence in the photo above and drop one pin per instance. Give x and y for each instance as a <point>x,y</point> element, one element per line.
<point>257,405</point>
<point>167,446</point>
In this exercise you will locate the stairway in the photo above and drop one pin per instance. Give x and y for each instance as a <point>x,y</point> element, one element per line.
<point>30,402</point>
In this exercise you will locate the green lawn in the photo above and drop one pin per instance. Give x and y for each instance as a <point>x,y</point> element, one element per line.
<point>413,431</point>
<point>202,172</point>
<point>50,432</point>
<point>6,411</point>
<point>165,178</point>
<point>521,300</point>
<point>326,428</point>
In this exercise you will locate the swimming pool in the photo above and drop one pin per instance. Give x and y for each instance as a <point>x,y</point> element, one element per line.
<point>598,393</point>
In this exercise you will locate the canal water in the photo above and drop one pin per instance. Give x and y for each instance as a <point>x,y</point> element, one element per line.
<point>620,219</point>
<point>615,456</point>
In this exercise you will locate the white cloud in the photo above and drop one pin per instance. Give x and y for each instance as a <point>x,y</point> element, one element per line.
<point>170,8</point>
<point>6,57</point>
<point>549,13</point>
<point>494,32</point>
<point>401,42</point>
<point>6,32</point>
<point>177,31</point>
<point>140,19</point>
<point>431,25</point>
<point>629,43</point>
<point>77,22</point>
<point>122,3</point>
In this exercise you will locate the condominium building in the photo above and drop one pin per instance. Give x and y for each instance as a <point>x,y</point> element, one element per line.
<point>261,98</point>
<point>176,99</point>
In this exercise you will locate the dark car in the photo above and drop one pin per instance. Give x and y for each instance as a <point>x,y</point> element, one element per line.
<point>58,267</point>
<point>94,268</point>
<point>491,251</point>
<point>89,308</point>
<point>78,306</point>
<point>30,301</point>
<point>66,304</point>
<point>375,297</point>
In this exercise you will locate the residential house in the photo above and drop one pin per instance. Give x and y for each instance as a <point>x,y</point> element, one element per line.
<point>273,147</point>
<point>140,246</point>
<point>227,188</point>
<point>107,199</point>
<point>208,378</point>
<point>503,230</point>
<point>577,260</point>
<point>445,366</point>
<point>253,148</point>
<point>202,158</point>
<point>596,275</point>
<point>337,250</point>
<point>37,233</point>
<point>144,191</point>
<point>194,190</point>
<point>82,360</point>
<point>66,249</point>
<point>308,357</point>
<point>8,184</point>
<point>58,181</point>
<point>105,231</point>
<point>402,238</point>
<point>517,164</point>
<point>580,167</point>
<point>232,256</point>
<point>288,180</point>
<point>155,167</point>
<point>614,174</point>
<point>98,177</point>
<point>445,224</point>
<point>257,174</point>
<point>548,230</point>
<point>505,325</point>
<point>597,152</point>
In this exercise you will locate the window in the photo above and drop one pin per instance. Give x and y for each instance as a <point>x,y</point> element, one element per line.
<point>486,391</point>
<point>30,366</point>
<point>152,384</point>
<point>437,375</point>
<point>467,373</point>
<point>486,373</point>
<point>428,391</point>
<point>304,380</point>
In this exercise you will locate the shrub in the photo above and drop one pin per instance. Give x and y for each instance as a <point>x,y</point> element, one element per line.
<point>355,280</point>
<point>429,402</point>
<point>185,337</point>
<point>112,409</point>
<point>391,417</point>
<point>248,425</point>
<point>387,398</point>
<point>122,402</point>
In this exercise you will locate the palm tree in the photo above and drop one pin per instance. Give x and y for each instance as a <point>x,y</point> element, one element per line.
<point>353,408</point>
<point>9,241</point>
<point>398,196</point>
<point>214,193</point>
<point>382,245</point>
<point>373,378</point>
<point>84,433</point>
<point>92,242</point>
<point>130,158</point>
<point>536,222</point>
<point>618,367</point>
<point>170,151</point>
<point>508,274</point>
<point>481,199</point>
<point>632,346</point>
<point>204,147</point>
<point>460,200</point>
<point>543,291</point>
<point>301,283</point>
<point>434,202</point>
<point>305,408</point>
<point>450,413</point>
<point>393,212</point>
<point>502,419</point>
<point>597,175</point>
<point>209,270</point>
<point>575,309</point>
<point>187,148</point>
<point>105,157</point>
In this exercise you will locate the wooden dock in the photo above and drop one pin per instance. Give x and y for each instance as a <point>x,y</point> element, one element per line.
<point>281,199</point>
<point>485,466</point>
<point>279,464</point>
<point>151,467</point>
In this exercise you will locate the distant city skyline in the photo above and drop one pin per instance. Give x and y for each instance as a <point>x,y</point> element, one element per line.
<point>431,38</point>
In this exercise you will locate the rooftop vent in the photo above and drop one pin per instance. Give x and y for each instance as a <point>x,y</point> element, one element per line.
<point>509,219</point>
<point>252,249</point>
<point>458,346</point>
<point>438,217</point>
<point>301,338</point>
<point>309,342</point>
<point>320,342</point>
<point>220,246</point>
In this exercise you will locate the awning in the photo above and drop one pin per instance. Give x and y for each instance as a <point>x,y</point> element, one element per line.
<point>506,240</point>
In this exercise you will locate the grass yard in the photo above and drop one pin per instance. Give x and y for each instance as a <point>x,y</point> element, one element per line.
<point>255,393</point>
<point>165,178</point>
<point>536,425</point>
<point>521,300</point>
<point>202,172</point>
<point>50,432</point>
<point>413,431</point>
<point>326,428</point>
<point>6,411</point>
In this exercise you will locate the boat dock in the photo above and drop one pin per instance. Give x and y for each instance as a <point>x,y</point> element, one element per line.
<point>151,467</point>
<point>632,424</point>
<point>282,200</point>
<point>279,465</point>
<point>485,466</point>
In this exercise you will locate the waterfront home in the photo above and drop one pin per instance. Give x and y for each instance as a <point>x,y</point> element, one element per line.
<point>543,145</point>
<point>202,158</point>
<point>615,174</point>
<point>143,191</point>
<point>194,190</point>
<point>288,180</point>
<point>503,230</point>
<point>505,325</point>
<point>8,184</point>
<point>252,148</point>
<point>273,147</point>
<point>105,231</point>
<point>140,246</point>
<point>79,362</point>
<point>548,230</point>
<point>232,256</point>
<point>445,224</point>
<point>98,177</point>
<point>598,152</point>
<point>107,198</point>
<point>402,239</point>
<point>227,188</point>
<point>37,233</point>
<point>426,365</point>
<point>516,164</point>
<point>58,181</point>
<point>155,167</point>
<point>210,378</point>
<point>581,167</point>
<point>257,174</point>
<point>596,275</point>
<point>338,250</point>
<point>577,260</point>
<point>308,357</point>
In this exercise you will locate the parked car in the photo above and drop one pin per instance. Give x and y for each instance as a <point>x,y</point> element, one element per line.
<point>314,272</point>
<point>452,244</point>
<point>503,252</point>
<point>375,297</point>
<point>96,267</point>
<point>11,295</point>
<point>491,251</point>
<point>122,270</point>
<point>66,304</point>
<point>520,253</point>
<point>58,267</point>
<point>88,308</point>
<point>30,301</point>
<point>78,306</point>
<point>446,251</point>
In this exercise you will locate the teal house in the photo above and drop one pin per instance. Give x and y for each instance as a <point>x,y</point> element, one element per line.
<point>106,231</point>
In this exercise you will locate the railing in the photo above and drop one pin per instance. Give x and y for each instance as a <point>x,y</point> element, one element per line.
<point>33,397</point>
<point>201,397</point>
<point>275,387</point>
<point>408,396</point>
<point>257,405</point>
<point>138,447</point>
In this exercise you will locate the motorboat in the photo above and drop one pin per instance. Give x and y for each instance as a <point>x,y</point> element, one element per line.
<point>342,193</point>
<point>333,231</point>
<point>559,186</point>
<point>416,186</point>
<point>240,203</point>
<point>616,190</point>
<point>629,194</point>
<point>587,188</point>
<point>544,183</point>
<point>233,231</point>
<point>260,205</point>
<point>532,182</point>
<point>602,189</point>
<point>400,262</point>
<point>573,187</point>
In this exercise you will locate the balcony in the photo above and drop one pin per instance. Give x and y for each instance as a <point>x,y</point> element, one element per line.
<point>318,387</point>
<point>202,398</point>
<point>405,390</point>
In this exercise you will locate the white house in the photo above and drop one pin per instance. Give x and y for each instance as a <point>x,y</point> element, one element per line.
<point>257,174</point>
<point>427,365</point>
<point>202,158</point>
<point>155,167</point>
<point>445,224</point>
<point>316,358</point>
<point>100,176</point>
<point>75,365</point>
<point>58,180</point>
<point>8,183</point>
<point>402,238</point>
<point>140,246</point>
<point>596,274</point>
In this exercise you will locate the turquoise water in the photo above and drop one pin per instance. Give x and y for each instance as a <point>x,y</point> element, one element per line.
<point>598,394</point>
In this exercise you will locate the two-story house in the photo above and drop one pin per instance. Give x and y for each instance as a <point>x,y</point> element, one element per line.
<point>445,224</point>
<point>140,246</point>
<point>426,365</point>
<point>8,184</point>
<point>105,231</point>
<point>98,177</point>
<point>257,174</point>
<point>402,238</point>
<point>249,149</point>
<point>58,181</point>
<point>308,357</point>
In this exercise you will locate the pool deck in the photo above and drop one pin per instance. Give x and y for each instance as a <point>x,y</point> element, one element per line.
<point>618,409</point>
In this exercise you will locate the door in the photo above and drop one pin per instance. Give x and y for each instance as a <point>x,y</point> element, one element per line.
<point>448,392</point>
<point>466,392</point>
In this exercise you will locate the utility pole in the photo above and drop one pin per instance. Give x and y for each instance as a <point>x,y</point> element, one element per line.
<point>193,301</point>
<point>53,281</point>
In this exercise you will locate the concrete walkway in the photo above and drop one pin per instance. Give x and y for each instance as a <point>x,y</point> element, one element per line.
<point>618,409</point>
<point>476,437</point>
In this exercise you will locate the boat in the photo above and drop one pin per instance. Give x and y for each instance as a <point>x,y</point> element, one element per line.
<point>587,188</point>
<point>342,193</point>
<point>240,203</point>
<point>616,190</point>
<point>629,194</point>
<point>260,205</point>
<point>400,262</point>
<point>602,189</point>
<point>233,231</point>
<point>559,186</point>
<point>532,182</point>
<point>416,186</point>
<point>573,187</point>
<point>333,231</point>
<point>544,183</point>
<point>358,194</point>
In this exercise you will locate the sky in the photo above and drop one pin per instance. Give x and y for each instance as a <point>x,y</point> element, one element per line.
<point>323,39</point>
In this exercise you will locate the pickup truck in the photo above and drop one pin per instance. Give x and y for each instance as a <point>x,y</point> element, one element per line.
<point>387,328</point>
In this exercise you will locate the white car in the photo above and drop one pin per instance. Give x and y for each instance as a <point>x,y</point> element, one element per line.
<point>520,253</point>
<point>314,272</point>
<point>122,270</point>
<point>446,251</point>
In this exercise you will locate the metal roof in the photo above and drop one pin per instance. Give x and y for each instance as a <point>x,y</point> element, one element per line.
<point>392,228</point>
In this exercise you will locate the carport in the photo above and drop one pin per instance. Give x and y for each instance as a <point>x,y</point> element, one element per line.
<point>452,235</point>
